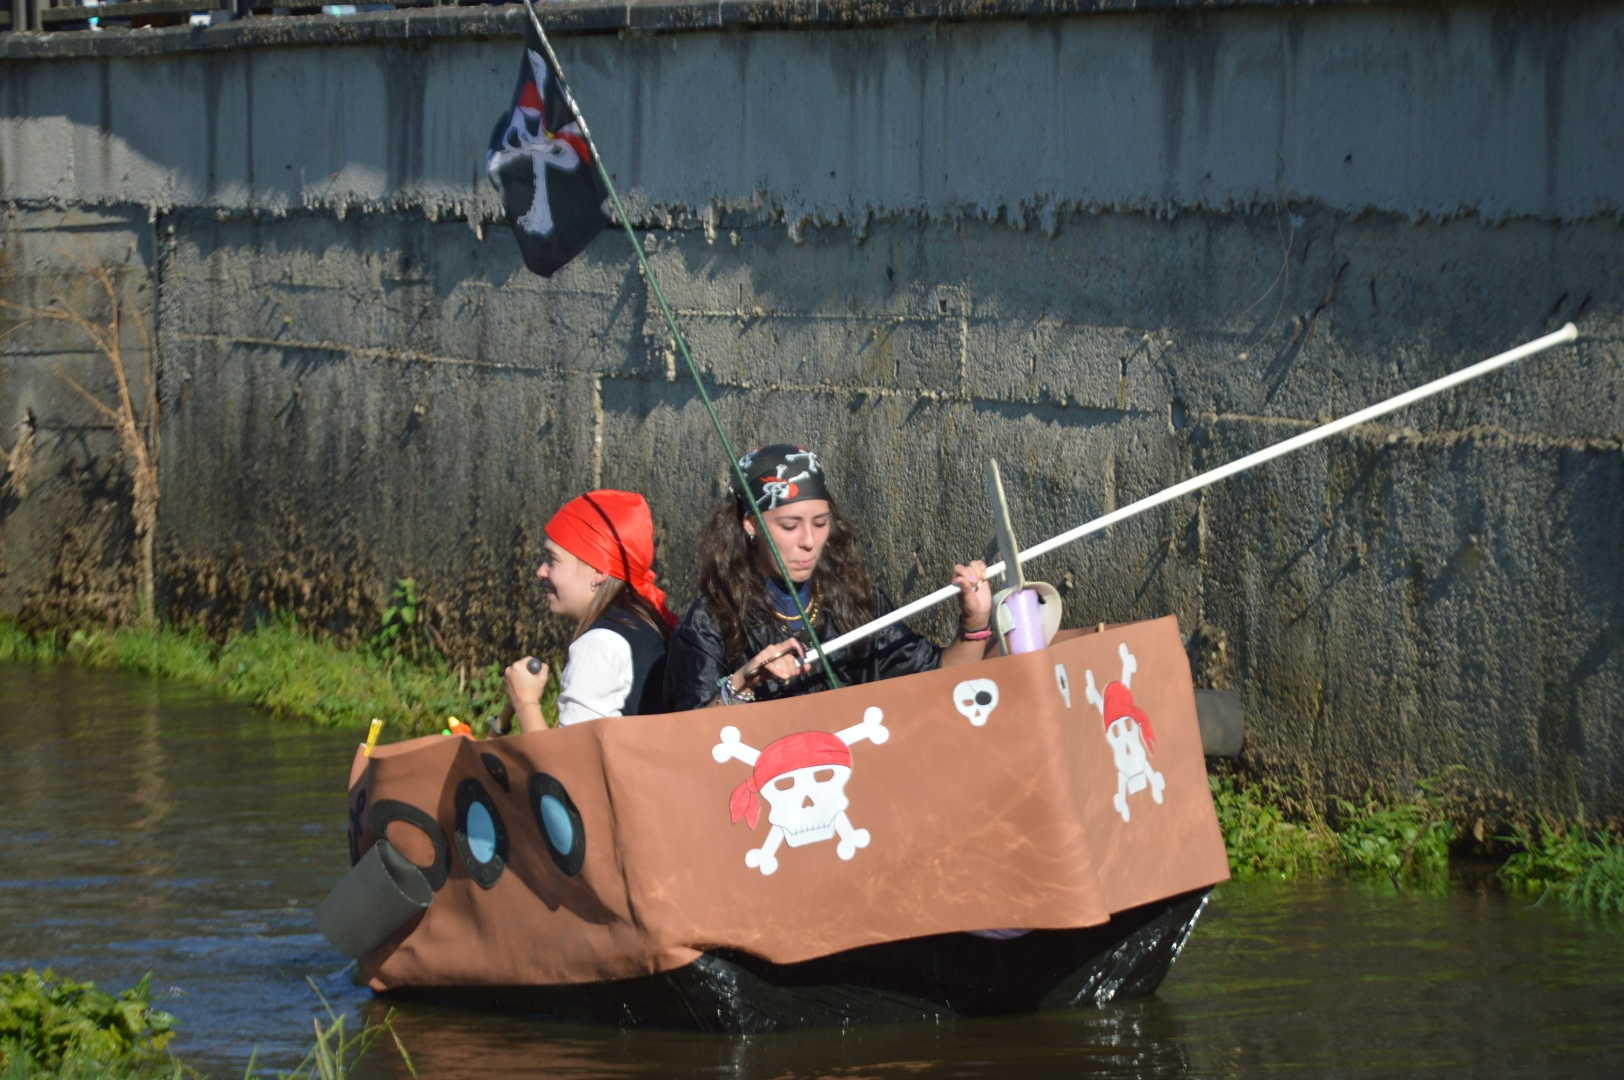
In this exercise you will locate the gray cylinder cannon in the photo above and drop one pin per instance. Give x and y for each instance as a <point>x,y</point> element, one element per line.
<point>381,893</point>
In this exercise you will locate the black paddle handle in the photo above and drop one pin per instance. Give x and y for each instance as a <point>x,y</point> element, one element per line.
<point>504,723</point>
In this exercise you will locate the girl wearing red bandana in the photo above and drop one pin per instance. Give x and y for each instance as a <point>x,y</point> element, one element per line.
<point>599,573</point>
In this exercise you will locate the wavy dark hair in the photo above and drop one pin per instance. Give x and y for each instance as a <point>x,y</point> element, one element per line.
<point>731,582</point>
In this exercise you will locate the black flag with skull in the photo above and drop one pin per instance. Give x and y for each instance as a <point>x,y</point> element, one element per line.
<point>543,167</point>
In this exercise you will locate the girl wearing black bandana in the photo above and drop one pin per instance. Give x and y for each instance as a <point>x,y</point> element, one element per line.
<point>743,639</point>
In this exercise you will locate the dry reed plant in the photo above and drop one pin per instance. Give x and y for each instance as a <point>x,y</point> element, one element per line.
<point>138,433</point>
<point>20,461</point>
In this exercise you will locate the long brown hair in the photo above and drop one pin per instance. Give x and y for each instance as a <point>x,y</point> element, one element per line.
<point>731,581</point>
<point>613,594</point>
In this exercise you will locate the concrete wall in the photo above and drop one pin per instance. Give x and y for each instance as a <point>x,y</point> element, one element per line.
<point>1109,249</point>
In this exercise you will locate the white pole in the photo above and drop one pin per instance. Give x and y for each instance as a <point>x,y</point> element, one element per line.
<point>1212,476</point>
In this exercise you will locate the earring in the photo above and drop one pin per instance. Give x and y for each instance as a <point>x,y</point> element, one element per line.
<point>595,585</point>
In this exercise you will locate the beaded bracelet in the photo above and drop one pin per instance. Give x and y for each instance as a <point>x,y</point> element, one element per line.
<point>731,696</point>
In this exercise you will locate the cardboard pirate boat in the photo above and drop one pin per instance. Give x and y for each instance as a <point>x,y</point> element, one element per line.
<point>1029,832</point>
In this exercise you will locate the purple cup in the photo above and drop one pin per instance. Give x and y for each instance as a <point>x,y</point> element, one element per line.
<point>1026,611</point>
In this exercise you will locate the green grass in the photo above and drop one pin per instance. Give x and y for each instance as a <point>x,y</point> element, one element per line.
<point>1264,840</point>
<point>51,1027</point>
<point>1272,833</point>
<point>1580,865</point>
<point>47,1021</point>
<point>1406,841</point>
<point>282,668</point>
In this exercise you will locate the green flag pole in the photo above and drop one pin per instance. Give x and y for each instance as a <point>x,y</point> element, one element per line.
<point>681,342</point>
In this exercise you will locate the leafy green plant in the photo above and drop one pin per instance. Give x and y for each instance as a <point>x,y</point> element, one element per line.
<point>402,629</point>
<point>17,1064</point>
<point>1406,841</point>
<point>1582,866</point>
<point>1601,886</point>
<point>57,1029</point>
<point>47,1021</point>
<point>1261,837</point>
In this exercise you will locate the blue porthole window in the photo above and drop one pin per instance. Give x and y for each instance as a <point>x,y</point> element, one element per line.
<point>481,838</point>
<point>481,833</point>
<point>559,822</point>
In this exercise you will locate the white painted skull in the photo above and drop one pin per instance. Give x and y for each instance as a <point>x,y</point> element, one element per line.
<point>805,802</point>
<point>976,699</point>
<point>1128,750</point>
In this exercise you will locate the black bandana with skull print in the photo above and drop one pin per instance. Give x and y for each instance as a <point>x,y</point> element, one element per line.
<point>781,474</point>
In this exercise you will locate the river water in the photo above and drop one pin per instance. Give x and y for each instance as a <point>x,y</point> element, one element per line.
<point>145,826</point>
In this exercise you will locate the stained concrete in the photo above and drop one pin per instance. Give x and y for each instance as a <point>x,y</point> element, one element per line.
<point>1109,250</point>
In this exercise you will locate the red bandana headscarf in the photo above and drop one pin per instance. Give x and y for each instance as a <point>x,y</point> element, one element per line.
<point>613,532</point>
<point>1119,703</point>
<point>804,750</point>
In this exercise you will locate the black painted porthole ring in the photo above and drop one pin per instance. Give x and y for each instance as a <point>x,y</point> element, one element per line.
<point>498,771</point>
<point>559,822</point>
<point>483,841</point>
<point>355,826</point>
<point>386,810</point>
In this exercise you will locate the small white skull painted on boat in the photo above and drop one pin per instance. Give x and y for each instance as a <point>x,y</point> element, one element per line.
<point>804,802</point>
<point>976,699</point>
<point>1128,750</point>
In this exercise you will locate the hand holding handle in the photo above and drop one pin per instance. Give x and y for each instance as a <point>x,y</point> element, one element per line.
<point>504,723</point>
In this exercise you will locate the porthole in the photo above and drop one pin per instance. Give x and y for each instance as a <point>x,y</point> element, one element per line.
<point>559,822</point>
<point>385,811</point>
<point>481,838</point>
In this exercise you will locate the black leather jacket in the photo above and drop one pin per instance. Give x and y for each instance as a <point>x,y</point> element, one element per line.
<point>697,657</point>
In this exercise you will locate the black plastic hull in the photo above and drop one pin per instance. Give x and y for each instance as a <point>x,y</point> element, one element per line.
<point>930,978</point>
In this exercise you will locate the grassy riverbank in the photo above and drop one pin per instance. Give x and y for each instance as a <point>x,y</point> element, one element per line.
<point>1271,833</point>
<point>282,668</point>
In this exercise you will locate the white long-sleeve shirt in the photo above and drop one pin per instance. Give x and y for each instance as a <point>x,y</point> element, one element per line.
<point>597,678</point>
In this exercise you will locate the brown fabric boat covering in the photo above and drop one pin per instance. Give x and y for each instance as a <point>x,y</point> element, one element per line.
<point>1011,824</point>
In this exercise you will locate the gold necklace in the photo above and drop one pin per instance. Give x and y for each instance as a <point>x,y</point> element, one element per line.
<point>811,612</point>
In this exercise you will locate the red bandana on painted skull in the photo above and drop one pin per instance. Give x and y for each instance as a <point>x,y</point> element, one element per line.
<point>804,750</point>
<point>1119,703</point>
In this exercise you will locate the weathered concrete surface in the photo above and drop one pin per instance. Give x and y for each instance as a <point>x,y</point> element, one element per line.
<point>1109,251</point>
<point>1442,111</point>
<point>66,550</point>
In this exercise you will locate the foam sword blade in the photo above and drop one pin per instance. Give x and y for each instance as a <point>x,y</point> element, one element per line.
<point>1007,547</point>
<point>1212,476</point>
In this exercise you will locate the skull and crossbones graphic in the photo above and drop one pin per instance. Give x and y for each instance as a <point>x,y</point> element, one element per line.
<point>563,149</point>
<point>1128,730</point>
<point>803,778</point>
<point>782,488</point>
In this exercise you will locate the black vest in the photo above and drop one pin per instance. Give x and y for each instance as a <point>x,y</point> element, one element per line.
<point>647,695</point>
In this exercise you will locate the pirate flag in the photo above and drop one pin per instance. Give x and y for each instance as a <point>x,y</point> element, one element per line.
<point>538,158</point>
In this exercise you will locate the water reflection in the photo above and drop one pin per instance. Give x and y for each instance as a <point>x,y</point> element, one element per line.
<point>1140,1039</point>
<point>147,826</point>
